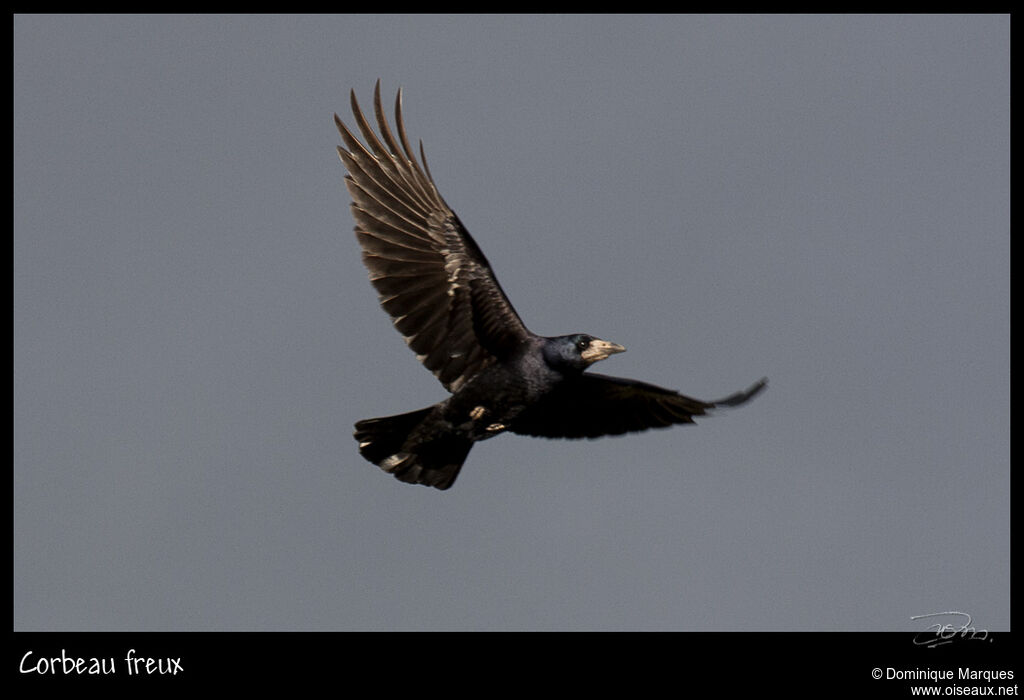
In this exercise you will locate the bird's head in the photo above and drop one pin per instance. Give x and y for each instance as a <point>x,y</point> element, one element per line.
<point>577,351</point>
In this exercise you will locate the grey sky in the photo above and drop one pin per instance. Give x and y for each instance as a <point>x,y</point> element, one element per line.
<point>823,200</point>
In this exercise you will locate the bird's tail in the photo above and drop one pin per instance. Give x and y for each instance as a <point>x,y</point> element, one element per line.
<point>387,443</point>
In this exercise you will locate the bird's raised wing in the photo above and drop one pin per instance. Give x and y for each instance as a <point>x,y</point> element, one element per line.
<point>592,405</point>
<point>431,276</point>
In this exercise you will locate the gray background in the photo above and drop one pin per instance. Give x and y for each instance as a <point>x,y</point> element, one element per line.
<point>823,200</point>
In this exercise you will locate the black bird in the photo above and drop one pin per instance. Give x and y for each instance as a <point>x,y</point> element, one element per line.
<point>444,299</point>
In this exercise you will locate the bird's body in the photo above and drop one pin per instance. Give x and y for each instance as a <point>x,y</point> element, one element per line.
<point>485,406</point>
<point>442,294</point>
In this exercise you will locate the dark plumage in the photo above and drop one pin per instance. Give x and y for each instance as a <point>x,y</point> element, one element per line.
<point>444,299</point>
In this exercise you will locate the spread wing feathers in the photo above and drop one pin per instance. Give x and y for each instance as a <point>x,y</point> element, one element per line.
<point>594,405</point>
<point>431,276</point>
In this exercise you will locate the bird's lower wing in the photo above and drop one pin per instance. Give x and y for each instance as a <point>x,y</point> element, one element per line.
<point>594,405</point>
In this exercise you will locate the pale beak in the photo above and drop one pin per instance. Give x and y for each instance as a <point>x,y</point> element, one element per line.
<point>599,350</point>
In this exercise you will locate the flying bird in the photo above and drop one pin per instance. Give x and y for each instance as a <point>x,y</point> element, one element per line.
<point>443,297</point>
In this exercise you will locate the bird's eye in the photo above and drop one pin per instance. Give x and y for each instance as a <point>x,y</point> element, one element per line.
<point>582,343</point>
